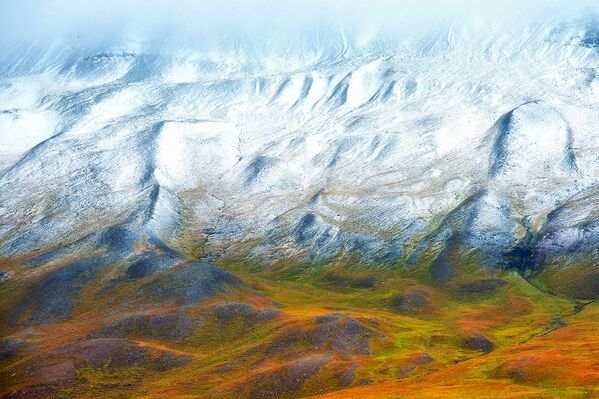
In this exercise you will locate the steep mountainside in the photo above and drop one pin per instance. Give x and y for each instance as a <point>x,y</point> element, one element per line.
<point>351,149</point>
<point>269,218</point>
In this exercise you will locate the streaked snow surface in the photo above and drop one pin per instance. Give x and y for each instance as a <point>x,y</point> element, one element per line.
<point>359,141</point>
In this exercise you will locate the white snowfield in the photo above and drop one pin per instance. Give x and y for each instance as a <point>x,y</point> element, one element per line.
<point>373,147</point>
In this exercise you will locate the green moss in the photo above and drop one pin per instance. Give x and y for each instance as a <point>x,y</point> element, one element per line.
<point>110,376</point>
<point>578,279</point>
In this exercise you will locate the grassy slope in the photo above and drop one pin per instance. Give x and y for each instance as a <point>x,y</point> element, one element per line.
<point>561,363</point>
<point>506,317</point>
<point>529,360</point>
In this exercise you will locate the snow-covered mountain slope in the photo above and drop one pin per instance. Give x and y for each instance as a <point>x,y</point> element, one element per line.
<point>380,147</point>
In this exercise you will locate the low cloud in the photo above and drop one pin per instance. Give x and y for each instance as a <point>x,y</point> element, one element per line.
<point>202,23</point>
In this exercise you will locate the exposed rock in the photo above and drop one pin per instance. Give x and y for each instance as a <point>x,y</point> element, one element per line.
<point>416,360</point>
<point>227,321</point>
<point>189,283</point>
<point>119,353</point>
<point>142,325</point>
<point>59,373</point>
<point>524,370</point>
<point>349,374</point>
<point>149,263</point>
<point>54,297</point>
<point>322,239</point>
<point>333,333</point>
<point>479,342</point>
<point>481,287</point>
<point>116,242</point>
<point>422,359</point>
<point>341,334</point>
<point>555,324</point>
<point>407,369</point>
<point>48,371</point>
<point>365,382</point>
<point>287,378</point>
<point>414,301</point>
<point>32,392</point>
<point>9,347</point>
<point>348,281</point>
<point>227,311</point>
<point>442,269</point>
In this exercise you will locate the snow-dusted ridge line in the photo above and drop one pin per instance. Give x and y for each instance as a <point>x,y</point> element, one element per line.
<point>384,149</point>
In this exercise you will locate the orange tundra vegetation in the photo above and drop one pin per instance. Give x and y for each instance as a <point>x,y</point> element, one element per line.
<point>337,330</point>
